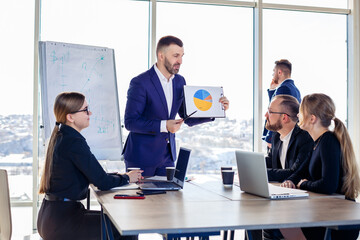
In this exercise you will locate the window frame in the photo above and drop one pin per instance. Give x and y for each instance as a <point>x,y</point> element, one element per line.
<point>353,61</point>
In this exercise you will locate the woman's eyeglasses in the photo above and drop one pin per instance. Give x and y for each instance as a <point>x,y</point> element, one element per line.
<point>86,109</point>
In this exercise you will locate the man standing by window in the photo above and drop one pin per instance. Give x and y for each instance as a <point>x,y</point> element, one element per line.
<point>281,84</point>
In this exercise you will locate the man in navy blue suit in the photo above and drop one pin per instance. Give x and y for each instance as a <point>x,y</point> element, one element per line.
<point>154,98</point>
<point>281,84</point>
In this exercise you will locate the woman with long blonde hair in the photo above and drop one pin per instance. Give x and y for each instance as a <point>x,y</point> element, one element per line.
<point>69,169</point>
<point>332,167</point>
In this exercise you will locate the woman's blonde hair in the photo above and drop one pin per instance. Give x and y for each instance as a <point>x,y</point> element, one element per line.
<point>323,107</point>
<point>65,103</point>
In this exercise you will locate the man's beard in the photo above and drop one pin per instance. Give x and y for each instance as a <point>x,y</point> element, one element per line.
<point>273,127</point>
<point>170,68</point>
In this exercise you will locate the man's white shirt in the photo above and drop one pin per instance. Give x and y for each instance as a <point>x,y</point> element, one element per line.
<point>167,86</point>
<point>285,144</point>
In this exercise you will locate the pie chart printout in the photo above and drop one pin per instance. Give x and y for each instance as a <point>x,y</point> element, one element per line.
<point>202,100</point>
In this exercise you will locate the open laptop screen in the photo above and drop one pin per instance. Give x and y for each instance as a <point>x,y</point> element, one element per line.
<point>253,178</point>
<point>181,166</point>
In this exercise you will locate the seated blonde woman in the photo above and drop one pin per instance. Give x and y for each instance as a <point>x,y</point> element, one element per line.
<point>332,167</point>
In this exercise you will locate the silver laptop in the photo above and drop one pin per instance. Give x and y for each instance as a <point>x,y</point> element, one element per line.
<point>253,178</point>
<point>179,177</point>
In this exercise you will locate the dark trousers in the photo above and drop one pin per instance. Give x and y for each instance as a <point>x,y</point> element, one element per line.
<point>255,234</point>
<point>272,234</point>
<point>313,233</point>
<point>70,220</point>
<point>319,233</point>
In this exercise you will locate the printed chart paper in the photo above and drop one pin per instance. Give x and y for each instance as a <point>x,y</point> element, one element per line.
<point>204,100</point>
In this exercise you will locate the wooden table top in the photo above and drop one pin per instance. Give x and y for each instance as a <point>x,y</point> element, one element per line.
<point>214,184</point>
<point>200,207</point>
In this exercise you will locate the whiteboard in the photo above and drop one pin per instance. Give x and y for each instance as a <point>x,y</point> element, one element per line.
<point>90,70</point>
<point>204,101</point>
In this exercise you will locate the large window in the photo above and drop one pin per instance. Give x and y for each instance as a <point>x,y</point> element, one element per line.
<point>16,77</point>
<point>316,45</point>
<point>218,47</point>
<point>317,3</point>
<point>120,25</point>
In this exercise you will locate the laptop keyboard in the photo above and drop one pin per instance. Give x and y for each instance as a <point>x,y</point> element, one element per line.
<point>164,184</point>
<point>281,190</point>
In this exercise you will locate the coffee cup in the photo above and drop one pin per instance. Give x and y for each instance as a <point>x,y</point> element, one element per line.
<point>132,169</point>
<point>170,172</point>
<point>227,177</point>
<point>226,168</point>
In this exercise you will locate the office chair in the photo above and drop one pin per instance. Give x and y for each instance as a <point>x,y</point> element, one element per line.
<point>5,210</point>
<point>5,213</point>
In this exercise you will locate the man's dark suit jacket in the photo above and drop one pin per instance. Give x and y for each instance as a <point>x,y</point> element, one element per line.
<point>299,150</point>
<point>146,106</point>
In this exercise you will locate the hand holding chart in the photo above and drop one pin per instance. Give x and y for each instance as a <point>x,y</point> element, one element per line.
<point>203,100</point>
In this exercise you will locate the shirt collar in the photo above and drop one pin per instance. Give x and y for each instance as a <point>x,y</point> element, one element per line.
<point>161,76</point>
<point>287,137</point>
<point>283,82</point>
<point>70,131</point>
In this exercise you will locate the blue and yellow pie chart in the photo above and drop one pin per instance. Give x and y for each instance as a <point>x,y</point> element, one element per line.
<point>202,100</point>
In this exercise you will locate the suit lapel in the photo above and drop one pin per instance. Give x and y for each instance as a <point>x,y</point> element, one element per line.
<point>277,154</point>
<point>172,114</point>
<point>293,135</point>
<point>292,139</point>
<point>156,81</point>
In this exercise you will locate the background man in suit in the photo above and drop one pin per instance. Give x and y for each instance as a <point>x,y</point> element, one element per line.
<point>291,146</point>
<point>281,84</point>
<point>154,98</point>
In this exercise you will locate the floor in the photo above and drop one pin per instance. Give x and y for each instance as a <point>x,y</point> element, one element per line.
<point>22,226</point>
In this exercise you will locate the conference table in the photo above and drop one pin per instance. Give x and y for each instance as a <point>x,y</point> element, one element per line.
<point>205,205</point>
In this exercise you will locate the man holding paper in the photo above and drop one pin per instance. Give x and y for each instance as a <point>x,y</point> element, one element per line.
<point>154,98</point>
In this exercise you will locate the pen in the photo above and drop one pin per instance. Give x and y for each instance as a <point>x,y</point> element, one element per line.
<point>190,115</point>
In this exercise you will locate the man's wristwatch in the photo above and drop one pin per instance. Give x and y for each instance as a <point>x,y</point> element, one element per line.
<point>126,177</point>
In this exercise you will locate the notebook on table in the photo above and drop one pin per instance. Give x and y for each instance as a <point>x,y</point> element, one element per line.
<point>253,178</point>
<point>178,181</point>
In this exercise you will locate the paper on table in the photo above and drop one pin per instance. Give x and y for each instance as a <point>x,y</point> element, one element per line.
<point>127,186</point>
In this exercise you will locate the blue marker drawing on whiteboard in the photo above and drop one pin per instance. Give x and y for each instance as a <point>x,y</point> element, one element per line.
<point>93,72</point>
<point>61,60</point>
<point>103,125</point>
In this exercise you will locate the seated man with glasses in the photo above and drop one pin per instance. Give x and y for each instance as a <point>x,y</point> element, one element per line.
<point>291,146</point>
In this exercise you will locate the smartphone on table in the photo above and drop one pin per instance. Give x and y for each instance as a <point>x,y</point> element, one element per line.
<point>127,196</point>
